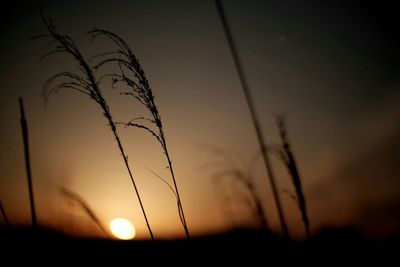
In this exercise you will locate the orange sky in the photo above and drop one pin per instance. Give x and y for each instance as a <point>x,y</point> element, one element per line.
<point>340,97</point>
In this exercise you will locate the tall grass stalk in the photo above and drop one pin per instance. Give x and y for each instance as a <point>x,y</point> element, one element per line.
<point>288,159</point>
<point>24,127</point>
<point>253,113</point>
<point>84,82</point>
<point>244,176</point>
<point>74,197</point>
<point>223,200</point>
<point>140,89</point>
<point>3,214</point>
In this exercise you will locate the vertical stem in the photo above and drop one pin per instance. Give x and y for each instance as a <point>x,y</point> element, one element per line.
<point>3,214</point>
<point>253,114</point>
<point>299,192</point>
<point>131,176</point>
<point>175,186</point>
<point>291,165</point>
<point>24,127</point>
<point>258,208</point>
<point>224,203</point>
<point>107,114</point>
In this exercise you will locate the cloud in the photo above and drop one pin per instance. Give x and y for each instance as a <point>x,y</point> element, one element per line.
<point>375,149</point>
<point>370,176</point>
<point>377,164</point>
<point>363,187</point>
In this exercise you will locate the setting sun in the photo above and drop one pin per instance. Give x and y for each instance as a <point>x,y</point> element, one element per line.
<point>122,228</point>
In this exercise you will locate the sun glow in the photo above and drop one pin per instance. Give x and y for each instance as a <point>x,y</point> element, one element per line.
<point>122,228</point>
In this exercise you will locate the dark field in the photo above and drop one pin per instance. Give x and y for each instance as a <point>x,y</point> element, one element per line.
<point>338,246</point>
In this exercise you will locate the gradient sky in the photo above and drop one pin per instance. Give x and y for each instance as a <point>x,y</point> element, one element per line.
<point>333,69</point>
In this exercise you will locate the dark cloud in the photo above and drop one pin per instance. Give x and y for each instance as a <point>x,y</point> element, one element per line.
<point>378,166</point>
<point>371,178</point>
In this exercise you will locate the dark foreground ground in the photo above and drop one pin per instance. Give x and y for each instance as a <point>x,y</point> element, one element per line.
<point>340,246</point>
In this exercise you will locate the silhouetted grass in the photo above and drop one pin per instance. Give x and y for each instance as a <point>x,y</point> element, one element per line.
<point>142,92</point>
<point>74,197</point>
<point>25,137</point>
<point>254,117</point>
<point>168,185</point>
<point>84,82</point>
<point>4,214</point>
<point>233,169</point>
<point>288,159</point>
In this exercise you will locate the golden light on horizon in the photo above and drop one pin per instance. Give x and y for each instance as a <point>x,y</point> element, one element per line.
<point>122,228</point>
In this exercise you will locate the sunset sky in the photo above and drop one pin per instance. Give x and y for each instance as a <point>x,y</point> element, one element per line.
<point>332,68</point>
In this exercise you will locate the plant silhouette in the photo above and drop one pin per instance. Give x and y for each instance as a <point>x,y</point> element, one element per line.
<point>140,89</point>
<point>75,198</point>
<point>25,137</point>
<point>287,157</point>
<point>84,82</point>
<point>3,214</point>
<point>241,174</point>
<point>254,117</point>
